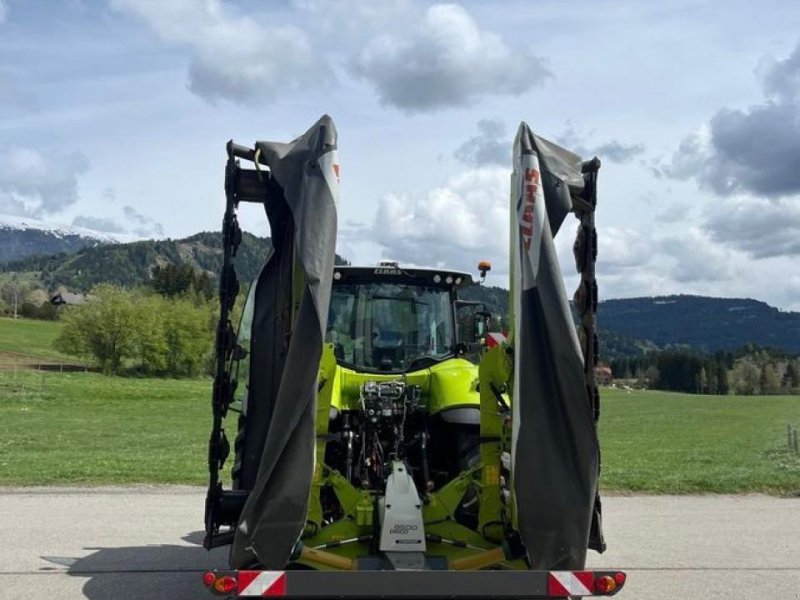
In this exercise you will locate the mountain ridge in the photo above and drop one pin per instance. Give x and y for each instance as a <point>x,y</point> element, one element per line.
<point>24,236</point>
<point>627,326</point>
<point>132,264</point>
<point>703,323</point>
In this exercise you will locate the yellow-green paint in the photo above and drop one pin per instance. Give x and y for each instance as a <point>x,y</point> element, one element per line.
<point>494,372</point>
<point>454,383</point>
<point>449,384</point>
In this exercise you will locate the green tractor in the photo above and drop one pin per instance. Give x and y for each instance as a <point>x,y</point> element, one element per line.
<point>400,406</point>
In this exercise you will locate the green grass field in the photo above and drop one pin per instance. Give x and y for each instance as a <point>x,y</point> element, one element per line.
<point>77,428</point>
<point>31,338</point>
<point>84,428</point>
<point>666,442</point>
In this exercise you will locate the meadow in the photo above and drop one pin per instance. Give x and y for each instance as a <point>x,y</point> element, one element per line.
<point>29,338</point>
<point>664,442</point>
<point>86,428</point>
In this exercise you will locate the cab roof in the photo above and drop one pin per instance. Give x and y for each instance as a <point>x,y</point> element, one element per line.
<point>399,274</point>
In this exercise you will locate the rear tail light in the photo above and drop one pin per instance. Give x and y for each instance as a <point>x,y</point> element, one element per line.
<point>225,584</point>
<point>220,583</point>
<point>580,584</point>
<point>605,584</point>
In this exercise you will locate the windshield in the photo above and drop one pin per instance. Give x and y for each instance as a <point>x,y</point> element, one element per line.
<point>388,326</point>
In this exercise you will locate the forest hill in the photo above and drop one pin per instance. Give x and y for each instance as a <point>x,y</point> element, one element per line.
<point>748,370</point>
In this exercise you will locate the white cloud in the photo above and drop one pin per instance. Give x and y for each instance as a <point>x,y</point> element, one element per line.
<point>696,258</point>
<point>760,227</point>
<point>98,224</point>
<point>354,17</point>
<point>445,60</point>
<point>689,159</point>
<point>35,184</point>
<point>466,219</point>
<point>622,249</point>
<point>780,79</point>
<point>612,150</point>
<point>749,151</point>
<point>463,221</point>
<point>616,151</point>
<point>489,146</point>
<point>673,213</point>
<point>641,263</point>
<point>454,225</point>
<point>234,57</point>
<point>142,225</point>
<point>690,260</point>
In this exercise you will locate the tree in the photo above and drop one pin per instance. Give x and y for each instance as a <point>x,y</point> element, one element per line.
<point>770,381</point>
<point>149,334</point>
<point>145,331</point>
<point>47,311</point>
<point>173,280</point>
<point>745,377</point>
<point>722,376</point>
<point>624,369</point>
<point>14,292</point>
<point>650,377</point>
<point>713,383</point>
<point>189,337</point>
<point>37,305</point>
<point>103,328</point>
<point>678,370</point>
<point>791,377</point>
<point>702,381</point>
<point>204,285</point>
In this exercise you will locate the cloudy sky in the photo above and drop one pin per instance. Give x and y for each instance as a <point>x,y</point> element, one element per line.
<point>114,115</point>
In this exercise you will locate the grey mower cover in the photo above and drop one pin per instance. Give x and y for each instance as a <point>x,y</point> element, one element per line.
<point>555,452</point>
<point>277,456</point>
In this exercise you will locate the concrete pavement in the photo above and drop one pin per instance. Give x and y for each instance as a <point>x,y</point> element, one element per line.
<point>143,543</point>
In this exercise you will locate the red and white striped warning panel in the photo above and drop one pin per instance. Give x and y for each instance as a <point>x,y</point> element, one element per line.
<point>400,585</point>
<point>262,583</point>
<point>561,584</point>
<point>495,338</point>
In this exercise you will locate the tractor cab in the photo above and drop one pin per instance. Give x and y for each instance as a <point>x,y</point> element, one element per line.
<point>388,319</point>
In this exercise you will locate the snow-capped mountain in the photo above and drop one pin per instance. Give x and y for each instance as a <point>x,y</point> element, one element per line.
<point>23,236</point>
